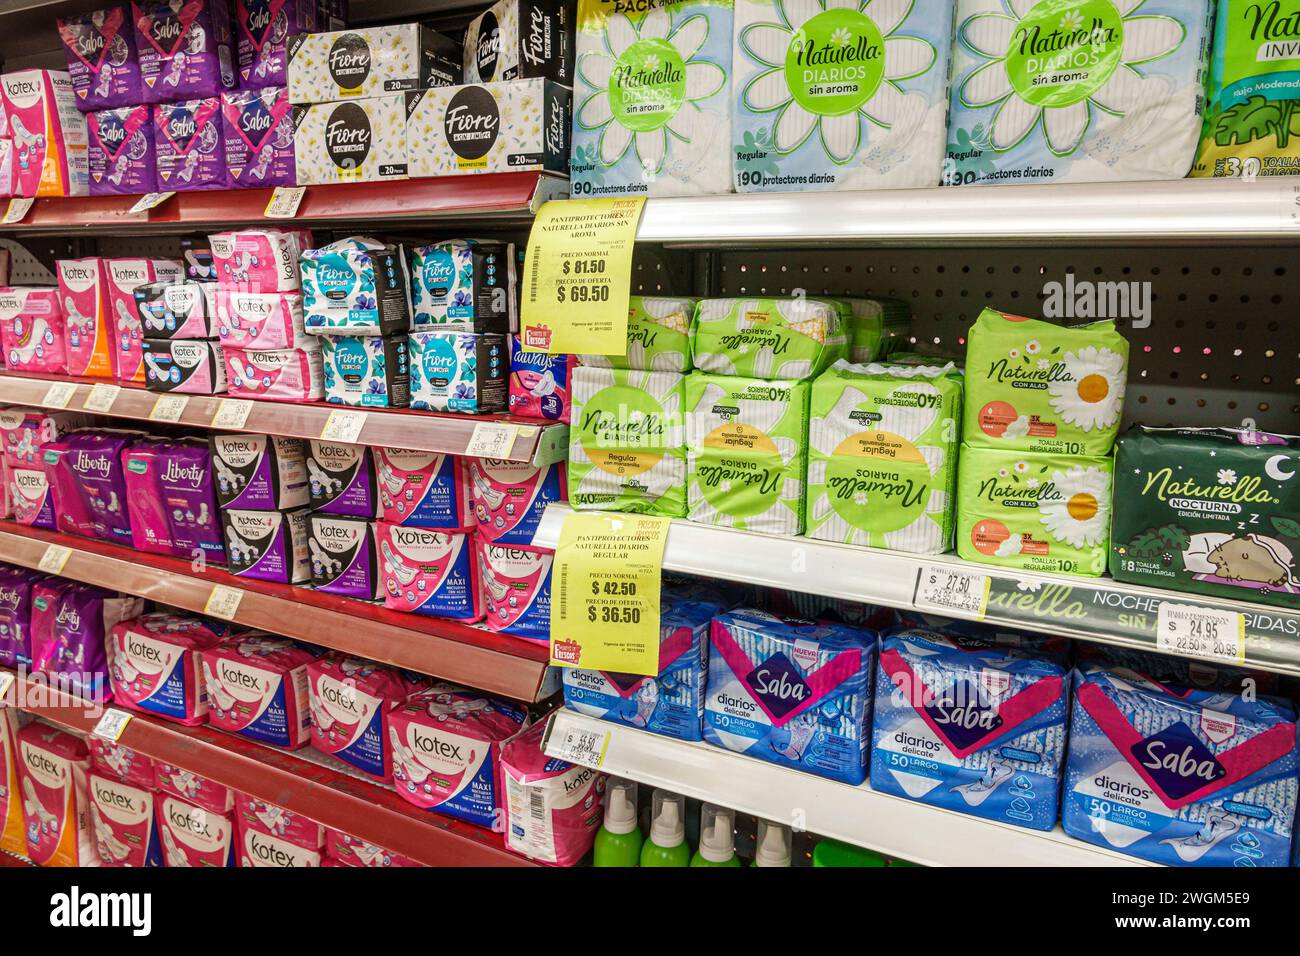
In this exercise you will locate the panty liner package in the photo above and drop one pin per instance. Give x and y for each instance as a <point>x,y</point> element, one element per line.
<point>176,309</point>
<point>16,593</point>
<point>29,496</point>
<point>516,589</point>
<point>882,456</point>
<point>423,489</point>
<point>540,384</point>
<point>124,277</point>
<point>877,328</point>
<point>191,152</point>
<point>355,286</point>
<point>344,557</point>
<point>32,330</point>
<point>258,260</point>
<point>509,497</point>
<point>979,730</point>
<point>791,692</point>
<point>83,289</point>
<point>430,572</point>
<point>122,150</point>
<point>262,30</point>
<point>520,38</point>
<point>52,769</point>
<point>457,371</point>
<point>343,479</point>
<point>257,687</point>
<point>627,443</point>
<point>466,283</point>
<point>25,433</point>
<point>257,131</point>
<point>154,666</point>
<point>849,96</point>
<point>371,371</point>
<point>102,65</point>
<point>745,452</point>
<point>769,338</point>
<point>171,499</point>
<point>1057,92</point>
<point>194,836</point>
<point>268,545</point>
<point>671,703</point>
<point>350,142</point>
<point>123,763</point>
<point>264,472</point>
<point>367,62</point>
<point>553,808</point>
<point>653,98</point>
<point>446,745</point>
<point>184,47</point>
<point>350,700</point>
<point>70,509</point>
<point>13,839</point>
<point>259,320</point>
<point>198,790</point>
<point>658,336</point>
<point>49,152</point>
<point>289,374</point>
<point>273,820</point>
<point>184,365</point>
<point>122,824</point>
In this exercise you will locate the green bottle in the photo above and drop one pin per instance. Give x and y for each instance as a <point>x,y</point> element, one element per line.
<point>717,838</point>
<point>618,841</point>
<point>667,843</point>
<point>773,845</point>
<point>835,853</point>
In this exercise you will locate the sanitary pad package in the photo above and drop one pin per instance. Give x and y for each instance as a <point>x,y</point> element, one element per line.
<point>49,135</point>
<point>423,489</point>
<point>122,826</point>
<point>124,277</point>
<point>258,260</point>
<point>344,557</point>
<point>257,130</point>
<point>294,375</point>
<point>102,65</point>
<point>977,729</point>
<point>260,471</point>
<point>70,633</point>
<point>259,320</point>
<point>273,820</point>
<point>123,763</point>
<point>262,30</point>
<point>355,141</point>
<point>367,370</point>
<point>350,700</point>
<point>362,63</point>
<point>12,838</point>
<point>194,836</point>
<point>268,545</point>
<point>509,497</point>
<point>466,283</point>
<point>521,38</point>
<point>191,152</point>
<point>516,589</point>
<point>154,666</point>
<point>83,288</point>
<point>198,790</point>
<point>122,149</point>
<point>355,286</point>
<point>658,336</point>
<point>264,850</point>
<point>173,309</point>
<point>343,479</point>
<point>539,383</point>
<point>257,687</point>
<point>182,365</point>
<point>876,328</point>
<point>184,47</point>
<point>769,338</point>
<point>32,330</point>
<point>171,498</point>
<point>344,849</point>
<point>93,463</point>
<point>430,572</point>
<point>791,692</point>
<point>52,770</point>
<point>553,808</point>
<point>849,96</point>
<point>16,585</point>
<point>457,371</point>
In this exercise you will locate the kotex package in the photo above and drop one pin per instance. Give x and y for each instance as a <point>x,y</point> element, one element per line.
<point>257,130</point>
<point>257,688</point>
<point>423,489</point>
<point>83,290</point>
<point>457,371</point>
<point>191,152</point>
<point>272,820</point>
<point>48,134</point>
<point>652,104</point>
<point>1036,512</point>
<point>24,434</point>
<point>259,320</point>
<point>1207,510</point>
<point>171,500</point>
<point>257,260</point>
<point>262,31</point>
<point>122,151</point>
<point>73,643</point>
<point>627,443</point>
<point>516,589</point>
<point>348,850</point>
<point>355,286</point>
<point>351,64</point>
<point>658,336</point>
<point>52,770</point>
<point>344,556</point>
<point>553,808</point>
<point>429,572</point>
<point>173,309</point>
<point>882,456</point>
<point>521,38</point>
<point>294,375</point>
<point>976,729</point>
<point>350,142</point>
<point>539,384</point>
<point>189,366</point>
<point>193,835</point>
<point>446,745</point>
<point>32,330</point>
<point>29,496</point>
<point>670,703</point>
<point>466,283</point>
<point>350,700</point>
<point>185,48</point>
<point>193,788</point>
<point>258,849</point>
<point>16,593</point>
<point>370,371</point>
<point>13,839</point>
<point>1035,386</point>
<point>154,665</point>
<point>791,692</point>
<point>846,97</point>
<point>124,277</point>
<point>877,328</point>
<point>113,760</point>
<point>343,480</point>
<point>94,461</point>
<point>102,65</point>
<point>769,338</point>
<point>746,452</point>
<point>260,472</point>
<point>122,827</point>
<point>1113,94</point>
<point>509,497</point>
<point>268,545</point>
<point>1197,779</point>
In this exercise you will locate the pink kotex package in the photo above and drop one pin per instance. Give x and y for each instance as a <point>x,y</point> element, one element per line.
<point>344,849</point>
<point>100,49</point>
<point>52,768</point>
<point>124,276</point>
<point>122,823</point>
<point>289,374</point>
<point>553,808</point>
<point>29,497</point>
<point>83,289</point>
<point>113,760</point>
<point>259,320</point>
<point>154,665</point>
<point>184,47</point>
<point>350,699</point>
<point>190,149</point>
<point>275,821</point>
<point>32,330</point>
<point>429,572</point>
<point>516,589</point>
<point>24,434</point>
<point>423,489</point>
<point>447,752</point>
<point>192,835</point>
<point>12,839</point>
<point>257,126</point>
<point>259,260</point>
<point>262,31</point>
<point>194,789</point>
<point>510,496</point>
<point>257,687</point>
<point>49,135</point>
<point>122,151</point>
<point>257,848</point>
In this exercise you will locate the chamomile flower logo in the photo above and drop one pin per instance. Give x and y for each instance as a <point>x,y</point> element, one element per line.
<point>831,67</point>
<point>1227,476</point>
<point>1056,62</point>
<point>1079,514</point>
<point>1091,393</point>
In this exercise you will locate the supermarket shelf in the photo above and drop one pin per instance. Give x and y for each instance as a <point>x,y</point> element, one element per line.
<point>857,815</point>
<point>8,860</point>
<point>1092,609</point>
<point>398,428</point>
<point>466,655</point>
<point>328,796</point>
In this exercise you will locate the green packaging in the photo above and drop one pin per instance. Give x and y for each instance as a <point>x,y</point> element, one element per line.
<point>877,328</point>
<point>658,336</point>
<point>770,338</point>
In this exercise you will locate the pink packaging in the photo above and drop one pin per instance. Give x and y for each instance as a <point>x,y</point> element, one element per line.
<point>540,384</point>
<point>114,760</point>
<point>261,849</point>
<point>260,320</point>
<point>25,434</point>
<point>258,260</point>
<point>257,126</point>
<point>257,687</point>
<point>276,821</point>
<point>154,666</point>
<point>124,275</point>
<point>553,808</point>
<point>52,768</point>
<point>6,505</point>
<point>122,823</point>
<point>48,133</point>
<point>289,374</point>
<point>194,836</point>
<point>8,169</point>
<point>12,838</point>
<point>510,496</point>
<point>184,47</point>
<point>423,489</point>
<point>83,288</point>
<point>29,497</point>
<point>191,153</point>
<point>32,330</point>
<point>344,849</point>
<point>122,151</point>
<point>350,699</point>
<point>516,589</point>
<point>194,789</point>
<point>429,572</point>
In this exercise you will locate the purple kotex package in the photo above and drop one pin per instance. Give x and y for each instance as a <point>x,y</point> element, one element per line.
<point>101,54</point>
<point>260,472</point>
<point>342,479</point>
<point>71,641</point>
<point>122,152</point>
<point>184,48</point>
<point>257,126</point>
<point>16,615</point>
<point>190,154</point>
<point>262,31</point>
<point>267,545</point>
<point>95,460</point>
<point>344,557</point>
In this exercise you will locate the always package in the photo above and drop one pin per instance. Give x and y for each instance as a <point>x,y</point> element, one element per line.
<point>455,371</point>
<point>355,286</point>
<point>467,283</point>
<point>769,338</point>
<point>658,336</point>
<point>521,39</point>
<point>181,365</point>
<point>361,63</point>
<point>354,141</point>
<point>267,545</point>
<point>367,370</point>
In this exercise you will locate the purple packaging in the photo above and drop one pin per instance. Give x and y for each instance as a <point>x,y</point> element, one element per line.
<point>94,459</point>
<point>16,615</point>
<point>344,557</point>
<point>190,154</point>
<point>100,50</point>
<point>184,48</point>
<point>267,545</point>
<point>259,472</point>
<point>171,499</point>
<point>73,641</point>
<point>150,528</point>
<point>262,31</point>
<point>122,151</point>
<point>342,480</point>
<point>257,126</point>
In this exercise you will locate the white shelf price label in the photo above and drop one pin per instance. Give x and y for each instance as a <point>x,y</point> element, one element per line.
<point>59,394</point>
<point>953,590</point>
<point>1192,631</point>
<point>584,747</point>
<point>54,559</point>
<point>17,210</point>
<point>112,724</point>
<point>6,681</point>
<point>491,440</point>
<point>343,427</point>
<point>101,398</point>
<point>169,408</point>
<point>285,201</point>
<point>223,602</point>
<point>232,413</point>
<point>150,201</point>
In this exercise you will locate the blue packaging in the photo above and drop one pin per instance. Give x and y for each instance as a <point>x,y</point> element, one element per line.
<point>355,287</point>
<point>466,283</point>
<point>789,691</point>
<point>366,370</point>
<point>509,497</point>
<point>458,371</point>
<point>540,384</point>
<point>430,572</point>
<point>969,726</point>
<point>1180,777</point>
<point>423,489</point>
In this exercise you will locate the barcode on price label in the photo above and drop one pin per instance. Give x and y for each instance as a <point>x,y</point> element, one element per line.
<point>954,590</point>
<point>112,724</point>
<point>491,440</point>
<point>223,602</point>
<point>101,398</point>
<point>54,559</point>
<point>169,408</point>
<point>343,427</point>
<point>583,747</point>
<point>232,413</point>
<point>1192,631</point>
<point>59,394</point>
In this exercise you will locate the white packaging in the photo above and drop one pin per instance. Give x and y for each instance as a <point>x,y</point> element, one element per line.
<point>354,141</point>
<point>359,63</point>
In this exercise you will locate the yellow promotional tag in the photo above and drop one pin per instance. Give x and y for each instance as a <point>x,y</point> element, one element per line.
<point>578,276</point>
<point>605,592</point>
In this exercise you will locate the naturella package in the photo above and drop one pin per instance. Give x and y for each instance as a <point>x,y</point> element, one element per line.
<point>1035,386</point>
<point>882,456</point>
<point>769,338</point>
<point>652,98</point>
<point>658,336</point>
<point>745,452</point>
<point>1069,91</point>
<point>845,95</point>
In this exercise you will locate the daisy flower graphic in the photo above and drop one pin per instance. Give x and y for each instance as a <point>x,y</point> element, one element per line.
<point>1032,347</point>
<point>1091,395</point>
<point>1227,476</point>
<point>1080,517</point>
<point>840,37</point>
<point>1071,21</point>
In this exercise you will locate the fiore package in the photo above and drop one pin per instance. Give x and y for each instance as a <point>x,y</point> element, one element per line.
<point>257,130</point>
<point>355,286</point>
<point>466,283</point>
<point>190,149</point>
<point>184,48</point>
<point>521,38</point>
<point>257,687</point>
<point>456,371</point>
<point>122,151</point>
<point>100,50</point>
<point>353,141</point>
<point>366,370</point>
<point>358,63</point>
<point>49,149</point>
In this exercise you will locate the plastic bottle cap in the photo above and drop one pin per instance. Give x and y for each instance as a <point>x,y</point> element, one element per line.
<point>669,826</point>
<point>773,845</point>
<point>717,839</point>
<point>620,810</point>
